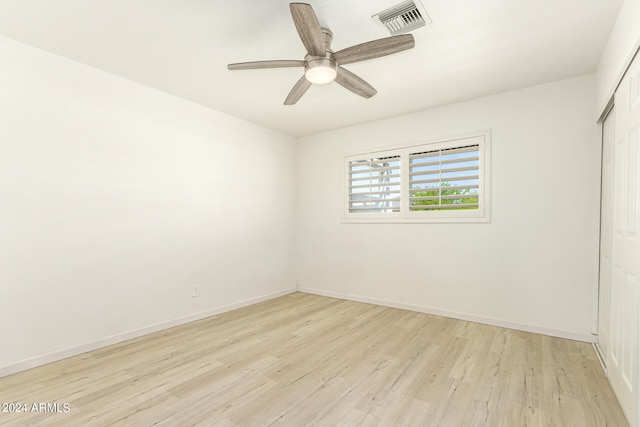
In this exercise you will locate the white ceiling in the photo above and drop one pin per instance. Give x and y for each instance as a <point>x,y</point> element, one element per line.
<point>472,48</point>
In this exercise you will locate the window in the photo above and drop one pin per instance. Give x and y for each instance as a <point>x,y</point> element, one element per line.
<point>440,181</point>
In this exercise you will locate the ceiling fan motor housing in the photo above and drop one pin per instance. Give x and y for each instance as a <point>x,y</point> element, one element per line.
<point>320,70</point>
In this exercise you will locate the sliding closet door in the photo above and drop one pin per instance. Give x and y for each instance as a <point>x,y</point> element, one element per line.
<point>625,256</point>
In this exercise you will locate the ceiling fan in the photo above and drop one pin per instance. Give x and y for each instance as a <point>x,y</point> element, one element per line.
<point>321,64</point>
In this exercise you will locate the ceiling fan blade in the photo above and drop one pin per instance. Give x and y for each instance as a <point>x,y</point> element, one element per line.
<point>298,90</point>
<point>374,49</point>
<point>355,84</point>
<point>265,64</point>
<point>308,28</point>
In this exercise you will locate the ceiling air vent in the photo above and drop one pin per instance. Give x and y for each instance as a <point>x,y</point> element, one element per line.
<point>403,18</point>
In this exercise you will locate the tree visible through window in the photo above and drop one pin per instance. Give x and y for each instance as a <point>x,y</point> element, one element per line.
<point>444,179</point>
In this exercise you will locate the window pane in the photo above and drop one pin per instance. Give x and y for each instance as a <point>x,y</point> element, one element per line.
<point>445,179</point>
<point>374,185</point>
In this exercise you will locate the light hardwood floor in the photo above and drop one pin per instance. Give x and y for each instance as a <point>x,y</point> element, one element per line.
<point>305,360</point>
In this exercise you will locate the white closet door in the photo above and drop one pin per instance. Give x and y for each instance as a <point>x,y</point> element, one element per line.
<point>625,301</point>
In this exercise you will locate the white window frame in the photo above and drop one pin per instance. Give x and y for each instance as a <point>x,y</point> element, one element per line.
<point>405,215</point>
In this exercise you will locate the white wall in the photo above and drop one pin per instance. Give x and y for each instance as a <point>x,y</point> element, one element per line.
<point>533,267</point>
<point>624,41</point>
<point>116,199</point>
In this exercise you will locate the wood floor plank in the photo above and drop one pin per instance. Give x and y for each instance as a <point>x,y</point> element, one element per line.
<point>306,360</point>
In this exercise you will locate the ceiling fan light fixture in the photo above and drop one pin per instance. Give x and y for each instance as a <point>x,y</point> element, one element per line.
<point>321,71</point>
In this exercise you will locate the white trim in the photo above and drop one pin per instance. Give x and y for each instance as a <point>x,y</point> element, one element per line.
<point>118,338</point>
<point>571,335</point>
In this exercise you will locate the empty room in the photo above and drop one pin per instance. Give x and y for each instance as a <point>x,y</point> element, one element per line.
<point>333,213</point>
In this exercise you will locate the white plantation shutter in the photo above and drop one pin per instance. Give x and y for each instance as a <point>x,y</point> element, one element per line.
<point>374,185</point>
<point>445,179</point>
<point>441,181</point>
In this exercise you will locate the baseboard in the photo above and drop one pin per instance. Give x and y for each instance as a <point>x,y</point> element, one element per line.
<point>114,339</point>
<point>575,336</point>
<point>597,349</point>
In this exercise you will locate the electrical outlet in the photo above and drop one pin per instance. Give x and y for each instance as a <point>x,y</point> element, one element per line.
<point>195,291</point>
